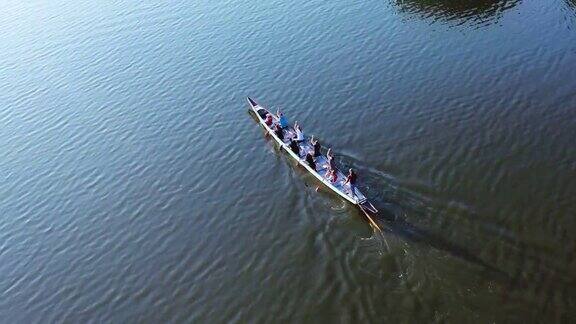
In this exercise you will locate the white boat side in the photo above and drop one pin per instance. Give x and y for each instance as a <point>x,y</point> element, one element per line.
<point>359,197</point>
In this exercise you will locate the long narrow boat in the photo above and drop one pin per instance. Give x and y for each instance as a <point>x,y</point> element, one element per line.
<point>356,197</point>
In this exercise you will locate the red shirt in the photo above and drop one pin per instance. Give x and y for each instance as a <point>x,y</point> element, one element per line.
<point>334,176</point>
<point>352,178</point>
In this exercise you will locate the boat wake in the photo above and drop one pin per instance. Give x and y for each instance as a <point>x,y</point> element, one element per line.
<point>414,217</point>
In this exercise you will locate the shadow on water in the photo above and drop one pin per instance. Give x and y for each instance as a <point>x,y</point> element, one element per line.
<point>473,12</point>
<point>412,233</point>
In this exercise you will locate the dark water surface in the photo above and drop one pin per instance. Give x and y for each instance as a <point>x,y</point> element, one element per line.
<point>136,187</point>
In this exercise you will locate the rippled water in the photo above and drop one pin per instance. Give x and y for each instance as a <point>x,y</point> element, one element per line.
<point>136,187</point>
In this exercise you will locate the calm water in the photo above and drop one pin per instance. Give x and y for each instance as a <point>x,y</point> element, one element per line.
<point>135,187</point>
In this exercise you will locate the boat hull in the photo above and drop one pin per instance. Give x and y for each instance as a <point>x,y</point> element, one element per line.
<point>339,189</point>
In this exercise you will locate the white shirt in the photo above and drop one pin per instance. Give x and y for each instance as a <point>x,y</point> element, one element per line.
<point>299,135</point>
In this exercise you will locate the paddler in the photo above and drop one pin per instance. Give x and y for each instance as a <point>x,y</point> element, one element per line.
<point>331,165</point>
<point>295,147</point>
<point>299,133</point>
<point>332,175</point>
<point>351,180</point>
<point>268,120</point>
<point>279,132</point>
<point>316,146</point>
<point>282,120</point>
<point>310,161</point>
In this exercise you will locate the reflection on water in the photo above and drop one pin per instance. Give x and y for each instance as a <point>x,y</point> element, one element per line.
<point>481,12</point>
<point>571,4</point>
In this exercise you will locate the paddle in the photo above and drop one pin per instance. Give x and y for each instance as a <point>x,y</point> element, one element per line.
<point>372,222</point>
